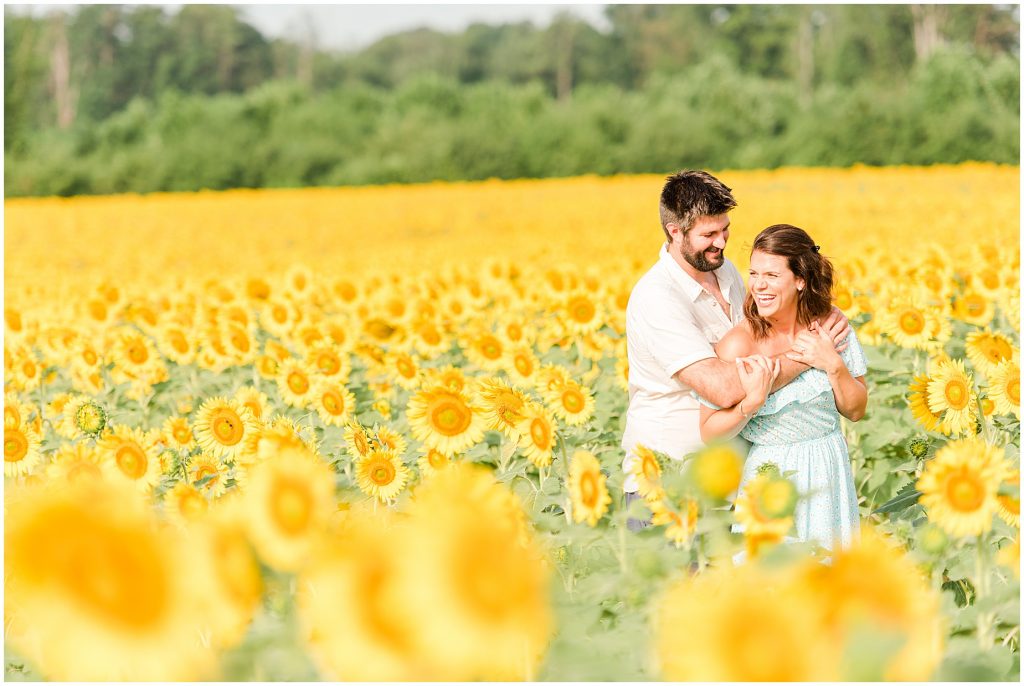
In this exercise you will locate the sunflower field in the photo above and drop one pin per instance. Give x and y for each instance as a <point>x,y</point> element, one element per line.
<point>373,434</point>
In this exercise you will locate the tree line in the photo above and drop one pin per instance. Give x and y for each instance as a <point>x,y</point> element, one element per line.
<point>116,98</point>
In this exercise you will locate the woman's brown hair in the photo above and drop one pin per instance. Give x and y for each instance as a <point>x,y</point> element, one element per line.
<point>806,262</point>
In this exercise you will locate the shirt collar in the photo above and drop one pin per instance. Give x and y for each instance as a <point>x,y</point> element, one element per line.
<point>688,283</point>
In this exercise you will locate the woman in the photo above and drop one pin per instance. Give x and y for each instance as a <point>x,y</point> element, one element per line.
<point>797,427</point>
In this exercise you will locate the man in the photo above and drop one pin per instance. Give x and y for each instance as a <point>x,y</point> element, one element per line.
<point>676,313</point>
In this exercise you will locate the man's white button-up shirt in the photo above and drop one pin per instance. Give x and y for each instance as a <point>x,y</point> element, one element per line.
<point>671,322</point>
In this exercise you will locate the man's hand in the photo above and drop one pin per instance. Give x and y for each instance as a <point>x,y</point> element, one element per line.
<point>837,327</point>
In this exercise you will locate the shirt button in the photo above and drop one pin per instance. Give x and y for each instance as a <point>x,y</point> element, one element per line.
<point>714,304</point>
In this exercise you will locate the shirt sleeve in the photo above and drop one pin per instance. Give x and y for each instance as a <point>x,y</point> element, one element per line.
<point>673,337</point>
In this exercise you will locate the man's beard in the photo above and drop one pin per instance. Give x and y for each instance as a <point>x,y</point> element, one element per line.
<point>700,261</point>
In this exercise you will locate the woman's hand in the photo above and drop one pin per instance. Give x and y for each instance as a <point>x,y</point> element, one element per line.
<point>815,348</point>
<point>757,374</point>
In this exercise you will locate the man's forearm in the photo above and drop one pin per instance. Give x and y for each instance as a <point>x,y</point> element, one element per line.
<point>790,369</point>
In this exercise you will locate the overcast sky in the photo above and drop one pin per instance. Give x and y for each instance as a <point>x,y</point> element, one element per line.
<point>353,26</point>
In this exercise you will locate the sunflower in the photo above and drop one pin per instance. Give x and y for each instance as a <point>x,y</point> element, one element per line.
<point>222,556</point>
<point>179,432</point>
<point>333,402</point>
<point>951,392</point>
<point>473,579</point>
<point>716,470</point>
<point>502,405</point>
<point>681,520</point>
<point>1010,307</point>
<point>184,503</point>
<point>622,372</point>
<point>89,560</point>
<point>355,627</point>
<point>240,342</point>
<point>587,490</point>
<point>432,461</point>
<point>381,474</point>
<point>448,377</point>
<point>16,411</point>
<point>295,383</point>
<point>1004,388</point>
<point>747,632</point>
<point>256,401</point>
<point>429,339</point>
<point>908,321</point>
<point>974,308</point>
<point>73,461</point>
<point>581,313</point>
<point>386,438</point>
<point>403,368</point>
<point>521,365</point>
<point>444,420</point>
<point>842,297</point>
<point>572,403</point>
<point>21,450</point>
<point>135,358</point>
<point>289,500</point>
<point>987,349</point>
<point>127,458</point>
<point>485,350</point>
<point>329,361</point>
<point>917,399</point>
<point>357,440</point>
<point>222,427</point>
<point>536,431</point>
<point>645,468</point>
<point>759,513</point>
<point>1008,505</point>
<point>874,586</point>
<point>959,486</point>
<point>551,377</point>
<point>209,474</point>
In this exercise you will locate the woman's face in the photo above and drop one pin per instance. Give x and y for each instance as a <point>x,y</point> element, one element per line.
<point>772,284</point>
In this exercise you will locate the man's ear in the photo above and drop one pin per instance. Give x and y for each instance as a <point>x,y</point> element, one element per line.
<point>674,231</point>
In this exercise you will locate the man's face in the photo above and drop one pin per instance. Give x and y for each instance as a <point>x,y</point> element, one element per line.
<point>703,246</point>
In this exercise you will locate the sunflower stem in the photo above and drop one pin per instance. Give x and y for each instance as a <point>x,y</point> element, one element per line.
<point>986,620</point>
<point>623,566</point>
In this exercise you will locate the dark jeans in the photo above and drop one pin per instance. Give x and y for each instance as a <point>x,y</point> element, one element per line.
<point>635,524</point>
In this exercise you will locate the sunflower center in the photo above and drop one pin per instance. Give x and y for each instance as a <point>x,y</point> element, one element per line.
<point>137,354</point>
<point>182,434</point>
<point>588,490</point>
<point>990,279</point>
<point>240,341</point>
<point>572,400</point>
<point>235,564</point>
<point>540,432</point>
<point>1013,391</point>
<point>333,403</point>
<point>437,459</point>
<point>131,461</point>
<point>450,418</point>
<point>430,335</point>
<point>29,368</point>
<point>491,348</point>
<point>90,357</point>
<point>974,305</point>
<point>298,383</point>
<point>965,493</point>
<point>15,445</point>
<point>11,416</point>
<point>382,472</point>
<point>207,470</point>
<point>406,368</point>
<point>912,322</point>
<point>90,419</point>
<point>956,394</point>
<point>328,363</point>
<point>291,506</point>
<point>97,310</point>
<point>582,311</point>
<point>523,365</point>
<point>514,332</point>
<point>118,575</point>
<point>843,300</point>
<point>227,427</point>
<point>997,350</point>
<point>279,313</point>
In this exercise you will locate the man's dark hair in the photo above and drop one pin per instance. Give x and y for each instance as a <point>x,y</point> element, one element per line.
<point>688,195</point>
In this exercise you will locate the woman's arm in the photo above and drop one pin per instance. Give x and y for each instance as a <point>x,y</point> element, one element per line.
<point>756,376</point>
<point>816,348</point>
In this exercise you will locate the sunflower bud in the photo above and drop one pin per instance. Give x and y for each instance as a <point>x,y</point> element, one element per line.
<point>932,539</point>
<point>716,471</point>
<point>91,418</point>
<point>918,447</point>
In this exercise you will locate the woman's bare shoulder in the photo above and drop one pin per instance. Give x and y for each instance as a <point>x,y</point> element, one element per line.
<point>738,342</point>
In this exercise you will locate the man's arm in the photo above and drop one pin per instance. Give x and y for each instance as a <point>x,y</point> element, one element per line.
<point>790,369</point>
<point>715,380</point>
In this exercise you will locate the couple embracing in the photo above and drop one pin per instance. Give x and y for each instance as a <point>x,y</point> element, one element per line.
<point>774,363</point>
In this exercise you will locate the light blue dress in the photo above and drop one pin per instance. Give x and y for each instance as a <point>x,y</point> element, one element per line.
<point>798,429</point>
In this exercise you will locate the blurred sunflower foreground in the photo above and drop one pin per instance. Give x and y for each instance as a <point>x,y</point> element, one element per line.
<point>280,459</point>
